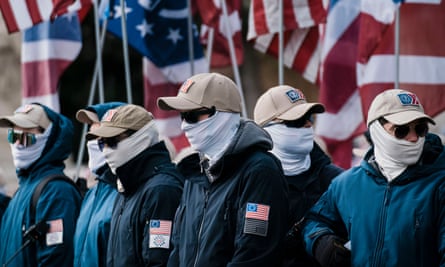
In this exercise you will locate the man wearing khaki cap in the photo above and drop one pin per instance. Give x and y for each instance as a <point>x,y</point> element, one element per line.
<point>148,183</point>
<point>93,224</point>
<point>235,212</point>
<point>286,115</point>
<point>391,207</point>
<point>40,141</point>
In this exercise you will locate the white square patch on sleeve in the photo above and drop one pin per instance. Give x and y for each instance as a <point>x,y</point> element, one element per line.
<point>55,232</point>
<point>160,232</point>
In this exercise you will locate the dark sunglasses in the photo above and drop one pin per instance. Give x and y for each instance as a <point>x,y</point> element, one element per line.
<point>401,131</point>
<point>25,139</point>
<point>112,142</point>
<point>193,115</point>
<point>299,123</point>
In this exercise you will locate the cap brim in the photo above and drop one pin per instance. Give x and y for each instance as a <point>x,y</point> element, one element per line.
<point>407,117</point>
<point>300,110</point>
<point>176,103</point>
<point>16,120</point>
<point>104,131</point>
<point>86,116</point>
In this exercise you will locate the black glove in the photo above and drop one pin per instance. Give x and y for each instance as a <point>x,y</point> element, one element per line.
<point>330,252</point>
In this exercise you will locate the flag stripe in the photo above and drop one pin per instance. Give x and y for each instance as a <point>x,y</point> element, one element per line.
<point>20,15</point>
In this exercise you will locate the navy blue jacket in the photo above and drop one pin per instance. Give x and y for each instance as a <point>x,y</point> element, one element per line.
<point>143,215</point>
<point>240,218</point>
<point>304,191</point>
<point>397,223</point>
<point>59,204</point>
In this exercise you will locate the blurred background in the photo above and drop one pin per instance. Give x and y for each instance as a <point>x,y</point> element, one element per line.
<point>258,72</point>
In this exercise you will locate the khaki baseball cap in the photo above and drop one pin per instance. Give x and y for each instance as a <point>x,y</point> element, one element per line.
<point>119,120</point>
<point>204,90</point>
<point>397,106</point>
<point>26,116</point>
<point>283,102</point>
<point>87,116</point>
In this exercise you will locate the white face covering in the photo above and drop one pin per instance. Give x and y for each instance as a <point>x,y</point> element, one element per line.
<point>23,156</point>
<point>96,158</point>
<point>292,147</point>
<point>391,154</point>
<point>212,136</point>
<point>131,146</point>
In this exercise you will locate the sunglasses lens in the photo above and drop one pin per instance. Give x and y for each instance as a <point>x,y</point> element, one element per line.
<point>11,136</point>
<point>193,116</point>
<point>25,139</point>
<point>190,117</point>
<point>421,129</point>
<point>402,131</point>
<point>301,122</point>
<point>110,142</point>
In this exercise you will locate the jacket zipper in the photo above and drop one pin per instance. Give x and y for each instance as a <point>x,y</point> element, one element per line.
<point>201,226</point>
<point>381,232</point>
<point>118,226</point>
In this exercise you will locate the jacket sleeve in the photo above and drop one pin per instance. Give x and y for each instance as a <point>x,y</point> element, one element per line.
<point>262,218</point>
<point>59,205</point>
<point>323,218</point>
<point>441,223</point>
<point>159,212</point>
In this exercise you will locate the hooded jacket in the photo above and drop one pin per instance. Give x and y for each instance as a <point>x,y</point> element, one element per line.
<point>240,218</point>
<point>93,224</point>
<point>397,223</point>
<point>143,214</point>
<point>58,205</point>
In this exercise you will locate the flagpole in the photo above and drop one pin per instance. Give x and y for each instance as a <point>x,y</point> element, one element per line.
<point>98,69</point>
<point>280,43</point>
<point>210,41</point>
<point>397,48</point>
<point>228,34</point>
<point>90,100</point>
<point>125,50</point>
<point>190,39</point>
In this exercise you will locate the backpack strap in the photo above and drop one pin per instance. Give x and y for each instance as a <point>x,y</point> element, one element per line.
<point>38,190</point>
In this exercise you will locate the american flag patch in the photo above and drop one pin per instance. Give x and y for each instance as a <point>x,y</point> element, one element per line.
<point>185,86</point>
<point>160,231</point>
<point>55,232</point>
<point>256,219</point>
<point>24,109</point>
<point>109,115</point>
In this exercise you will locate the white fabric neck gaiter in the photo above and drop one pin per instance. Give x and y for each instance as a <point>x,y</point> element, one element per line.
<point>96,158</point>
<point>131,146</point>
<point>292,147</point>
<point>391,154</point>
<point>23,156</point>
<point>213,135</point>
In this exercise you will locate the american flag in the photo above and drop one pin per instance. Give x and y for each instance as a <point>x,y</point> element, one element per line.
<point>22,14</point>
<point>343,119</point>
<point>301,34</point>
<point>422,53</point>
<point>257,211</point>
<point>212,17</point>
<point>158,30</point>
<point>47,50</point>
<point>160,227</point>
